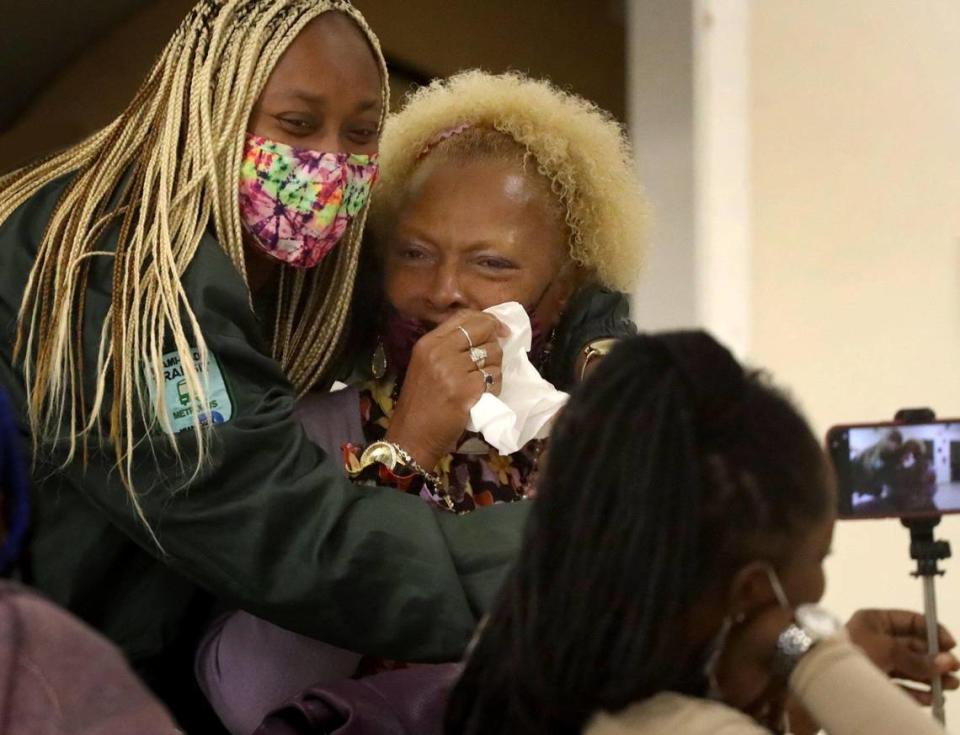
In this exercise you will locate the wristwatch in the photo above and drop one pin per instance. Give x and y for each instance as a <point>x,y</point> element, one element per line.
<point>811,625</point>
<point>396,459</point>
<point>593,350</point>
<point>381,452</point>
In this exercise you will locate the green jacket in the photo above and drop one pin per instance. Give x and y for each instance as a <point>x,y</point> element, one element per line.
<point>270,526</point>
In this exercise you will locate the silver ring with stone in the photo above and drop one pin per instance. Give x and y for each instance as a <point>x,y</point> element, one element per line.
<point>467,335</point>
<point>479,356</point>
<point>488,380</point>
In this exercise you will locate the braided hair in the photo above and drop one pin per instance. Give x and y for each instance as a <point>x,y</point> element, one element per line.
<point>668,469</point>
<point>162,173</point>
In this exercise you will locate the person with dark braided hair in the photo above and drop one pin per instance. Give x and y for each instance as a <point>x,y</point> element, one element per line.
<point>670,570</point>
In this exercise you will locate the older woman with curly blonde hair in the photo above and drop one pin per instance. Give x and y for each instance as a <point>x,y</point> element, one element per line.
<point>494,188</point>
<point>580,153</point>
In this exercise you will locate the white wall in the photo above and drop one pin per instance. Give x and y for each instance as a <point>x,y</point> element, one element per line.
<point>721,33</point>
<point>847,223</point>
<point>855,141</point>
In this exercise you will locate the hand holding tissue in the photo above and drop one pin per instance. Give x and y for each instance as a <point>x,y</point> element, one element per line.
<point>527,403</point>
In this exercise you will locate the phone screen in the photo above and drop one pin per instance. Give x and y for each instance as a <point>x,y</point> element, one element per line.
<point>888,470</point>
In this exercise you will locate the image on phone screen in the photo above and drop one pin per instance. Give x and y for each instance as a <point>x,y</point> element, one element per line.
<point>897,471</point>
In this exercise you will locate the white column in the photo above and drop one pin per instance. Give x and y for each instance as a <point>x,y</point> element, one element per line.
<point>688,108</point>
<point>721,33</point>
<point>660,115</point>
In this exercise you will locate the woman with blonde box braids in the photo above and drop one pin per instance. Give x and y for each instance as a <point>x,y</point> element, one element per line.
<point>168,289</point>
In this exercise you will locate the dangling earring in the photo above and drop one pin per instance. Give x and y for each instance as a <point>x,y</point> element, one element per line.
<point>710,667</point>
<point>713,660</point>
<point>378,363</point>
<point>548,349</point>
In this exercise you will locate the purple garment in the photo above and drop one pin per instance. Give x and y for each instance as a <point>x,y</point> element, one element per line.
<point>247,666</point>
<point>404,702</point>
<point>330,420</point>
<point>59,676</point>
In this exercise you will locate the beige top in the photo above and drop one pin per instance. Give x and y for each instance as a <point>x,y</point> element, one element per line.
<point>837,684</point>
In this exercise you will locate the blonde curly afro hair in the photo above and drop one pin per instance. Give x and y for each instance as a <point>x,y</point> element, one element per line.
<point>582,153</point>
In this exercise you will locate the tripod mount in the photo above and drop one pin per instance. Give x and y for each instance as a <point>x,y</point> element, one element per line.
<point>928,552</point>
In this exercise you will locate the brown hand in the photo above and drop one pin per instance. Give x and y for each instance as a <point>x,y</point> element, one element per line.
<point>443,383</point>
<point>896,642</point>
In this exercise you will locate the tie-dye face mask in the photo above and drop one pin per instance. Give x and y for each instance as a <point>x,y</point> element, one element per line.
<point>297,203</point>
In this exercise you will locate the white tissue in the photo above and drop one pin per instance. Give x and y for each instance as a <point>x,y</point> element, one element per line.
<point>527,403</point>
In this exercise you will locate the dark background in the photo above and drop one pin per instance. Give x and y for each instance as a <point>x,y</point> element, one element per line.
<point>68,66</point>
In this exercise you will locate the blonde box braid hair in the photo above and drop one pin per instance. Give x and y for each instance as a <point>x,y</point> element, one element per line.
<point>578,148</point>
<point>163,169</point>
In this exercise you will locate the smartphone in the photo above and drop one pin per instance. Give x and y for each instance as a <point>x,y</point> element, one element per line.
<point>896,470</point>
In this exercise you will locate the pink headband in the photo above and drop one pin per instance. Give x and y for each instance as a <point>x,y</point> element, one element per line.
<point>442,136</point>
